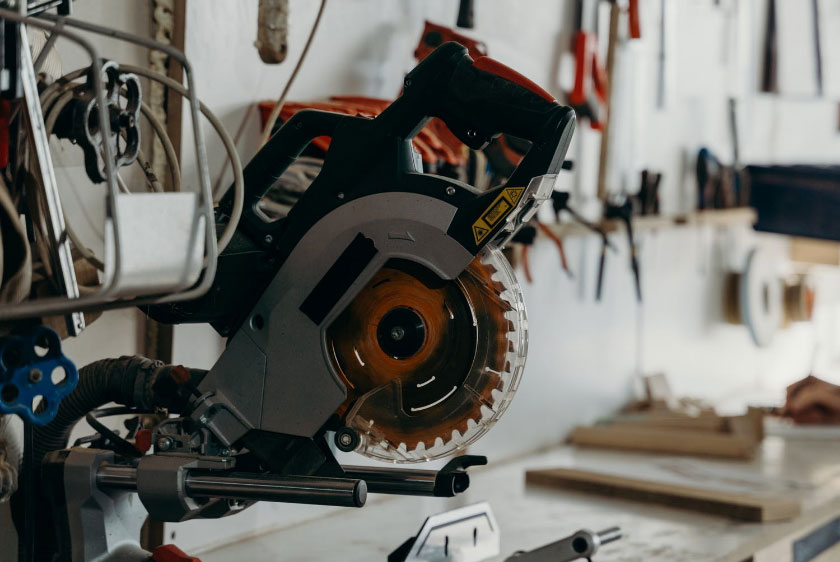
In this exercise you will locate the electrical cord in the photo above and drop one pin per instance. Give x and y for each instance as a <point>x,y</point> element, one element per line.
<point>227,141</point>
<point>121,446</point>
<point>275,112</point>
<point>62,91</point>
<point>58,94</point>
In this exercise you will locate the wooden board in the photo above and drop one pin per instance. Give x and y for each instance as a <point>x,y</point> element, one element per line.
<point>669,420</point>
<point>665,440</point>
<point>809,250</point>
<point>736,505</point>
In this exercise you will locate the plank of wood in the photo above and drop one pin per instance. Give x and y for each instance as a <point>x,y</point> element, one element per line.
<point>675,441</point>
<point>809,250</point>
<point>658,389</point>
<point>668,420</point>
<point>749,426</point>
<point>736,505</point>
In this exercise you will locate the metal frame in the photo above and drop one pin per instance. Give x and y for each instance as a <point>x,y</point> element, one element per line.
<point>62,257</point>
<point>104,298</point>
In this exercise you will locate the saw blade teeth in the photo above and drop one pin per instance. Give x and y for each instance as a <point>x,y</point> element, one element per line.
<point>489,267</point>
<point>491,303</point>
<point>487,411</point>
<point>498,286</point>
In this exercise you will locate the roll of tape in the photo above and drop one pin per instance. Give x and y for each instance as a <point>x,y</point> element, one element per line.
<point>761,302</point>
<point>755,298</point>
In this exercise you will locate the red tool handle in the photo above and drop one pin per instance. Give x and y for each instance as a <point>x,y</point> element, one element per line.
<point>633,20</point>
<point>599,79</point>
<point>580,44</point>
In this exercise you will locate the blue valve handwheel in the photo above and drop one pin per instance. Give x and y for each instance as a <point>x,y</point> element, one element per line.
<point>32,366</point>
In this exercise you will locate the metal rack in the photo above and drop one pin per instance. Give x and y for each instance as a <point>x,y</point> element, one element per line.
<point>132,268</point>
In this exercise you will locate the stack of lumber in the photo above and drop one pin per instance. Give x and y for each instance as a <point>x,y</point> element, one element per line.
<point>659,423</point>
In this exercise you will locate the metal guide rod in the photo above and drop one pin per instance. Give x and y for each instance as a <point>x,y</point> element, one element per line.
<point>343,492</point>
<point>583,544</point>
<point>395,481</point>
<point>296,489</point>
<point>410,482</point>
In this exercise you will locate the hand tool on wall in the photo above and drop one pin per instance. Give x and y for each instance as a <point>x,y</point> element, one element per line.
<point>661,60</point>
<point>560,203</point>
<point>647,199</point>
<point>769,77</point>
<point>621,208</point>
<point>558,242</point>
<point>738,193</point>
<point>633,32</point>
<point>716,183</point>
<point>817,47</point>
<point>633,21</point>
<point>466,11</point>
<point>588,93</point>
<point>526,237</point>
<point>603,162</point>
<point>273,30</point>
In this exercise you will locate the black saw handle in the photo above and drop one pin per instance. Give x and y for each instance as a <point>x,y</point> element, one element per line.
<point>275,157</point>
<point>477,99</point>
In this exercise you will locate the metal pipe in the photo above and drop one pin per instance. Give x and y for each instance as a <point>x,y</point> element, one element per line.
<point>117,477</point>
<point>293,489</point>
<point>410,482</point>
<point>609,535</point>
<point>345,492</point>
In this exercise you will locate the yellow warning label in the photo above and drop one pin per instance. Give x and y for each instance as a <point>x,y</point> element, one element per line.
<point>501,206</point>
<point>479,232</point>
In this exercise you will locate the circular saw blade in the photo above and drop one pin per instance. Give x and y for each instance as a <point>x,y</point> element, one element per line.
<point>429,364</point>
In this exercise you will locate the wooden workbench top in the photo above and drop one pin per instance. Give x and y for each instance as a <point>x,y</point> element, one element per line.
<point>805,469</point>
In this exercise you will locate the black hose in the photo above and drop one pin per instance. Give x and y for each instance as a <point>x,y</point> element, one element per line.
<point>127,381</point>
<point>130,381</point>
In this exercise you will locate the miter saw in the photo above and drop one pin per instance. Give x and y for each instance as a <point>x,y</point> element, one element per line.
<point>379,312</point>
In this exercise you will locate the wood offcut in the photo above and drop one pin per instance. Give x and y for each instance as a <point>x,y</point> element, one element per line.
<point>736,505</point>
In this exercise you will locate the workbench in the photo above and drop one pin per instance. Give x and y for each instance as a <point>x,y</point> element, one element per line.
<point>530,516</point>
